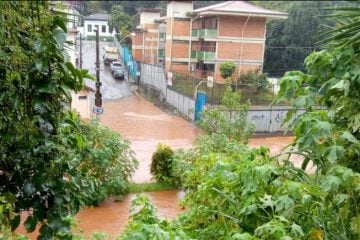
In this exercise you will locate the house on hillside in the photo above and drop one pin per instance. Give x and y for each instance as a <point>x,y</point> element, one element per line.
<point>199,40</point>
<point>99,21</point>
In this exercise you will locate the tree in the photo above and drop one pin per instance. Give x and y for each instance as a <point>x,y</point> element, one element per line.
<point>119,20</point>
<point>227,69</point>
<point>290,41</point>
<point>325,137</point>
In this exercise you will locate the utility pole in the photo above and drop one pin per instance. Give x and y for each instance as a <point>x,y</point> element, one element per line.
<point>98,101</point>
<point>80,64</point>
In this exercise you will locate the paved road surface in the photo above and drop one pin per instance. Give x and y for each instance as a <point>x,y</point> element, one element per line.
<point>111,89</point>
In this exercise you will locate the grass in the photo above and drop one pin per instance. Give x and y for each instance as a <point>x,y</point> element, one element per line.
<point>150,187</point>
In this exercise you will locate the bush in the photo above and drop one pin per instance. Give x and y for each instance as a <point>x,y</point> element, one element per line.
<point>255,78</point>
<point>230,118</point>
<point>108,160</point>
<point>161,162</point>
<point>227,69</point>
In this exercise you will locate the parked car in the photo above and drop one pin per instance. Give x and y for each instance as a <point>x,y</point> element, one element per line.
<point>115,65</point>
<point>119,73</point>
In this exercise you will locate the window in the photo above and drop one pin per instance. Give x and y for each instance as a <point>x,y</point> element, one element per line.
<point>103,28</point>
<point>205,23</point>
<point>89,28</point>
<point>97,27</point>
<point>162,35</point>
<point>161,52</point>
<point>205,67</point>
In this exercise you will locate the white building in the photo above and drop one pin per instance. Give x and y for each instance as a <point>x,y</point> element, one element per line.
<point>99,21</point>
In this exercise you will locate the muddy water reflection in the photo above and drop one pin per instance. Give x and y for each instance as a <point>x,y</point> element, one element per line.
<point>111,217</point>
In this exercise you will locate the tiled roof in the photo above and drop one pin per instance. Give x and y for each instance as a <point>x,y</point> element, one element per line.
<point>240,7</point>
<point>98,16</point>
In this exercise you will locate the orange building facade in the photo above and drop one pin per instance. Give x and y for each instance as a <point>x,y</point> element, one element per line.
<point>198,41</point>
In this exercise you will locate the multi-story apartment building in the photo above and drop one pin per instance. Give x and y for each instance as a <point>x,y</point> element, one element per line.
<point>198,41</point>
<point>149,42</point>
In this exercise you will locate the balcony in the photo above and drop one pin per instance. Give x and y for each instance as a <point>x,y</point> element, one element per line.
<point>203,55</point>
<point>205,33</point>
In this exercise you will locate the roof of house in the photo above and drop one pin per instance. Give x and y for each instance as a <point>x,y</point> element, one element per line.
<point>239,8</point>
<point>98,16</point>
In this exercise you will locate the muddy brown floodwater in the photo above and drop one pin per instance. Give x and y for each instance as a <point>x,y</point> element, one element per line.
<point>145,126</point>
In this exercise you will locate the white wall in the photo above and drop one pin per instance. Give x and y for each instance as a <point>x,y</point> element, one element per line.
<point>93,23</point>
<point>148,17</point>
<point>179,9</point>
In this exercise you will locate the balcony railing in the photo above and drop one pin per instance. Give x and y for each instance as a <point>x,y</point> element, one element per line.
<point>205,33</point>
<point>203,55</point>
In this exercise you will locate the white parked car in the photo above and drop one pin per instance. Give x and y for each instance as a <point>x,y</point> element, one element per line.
<point>115,65</point>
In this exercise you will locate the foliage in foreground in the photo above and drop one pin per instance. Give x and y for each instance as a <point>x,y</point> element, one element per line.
<point>50,162</point>
<point>107,160</point>
<point>234,192</point>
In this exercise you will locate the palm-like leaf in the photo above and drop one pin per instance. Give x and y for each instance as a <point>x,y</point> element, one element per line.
<point>347,32</point>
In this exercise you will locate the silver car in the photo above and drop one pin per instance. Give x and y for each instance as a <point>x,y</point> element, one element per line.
<point>119,73</point>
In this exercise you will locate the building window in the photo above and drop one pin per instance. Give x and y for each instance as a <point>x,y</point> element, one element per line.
<point>89,27</point>
<point>203,46</point>
<point>161,52</point>
<point>97,27</point>
<point>205,67</point>
<point>103,28</point>
<point>162,35</point>
<point>205,23</point>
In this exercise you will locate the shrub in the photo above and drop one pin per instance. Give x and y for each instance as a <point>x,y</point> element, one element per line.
<point>230,118</point>
<point>227,69</point>
<point>108,160</point>
<point>161,162</point>
<point>255,78</point>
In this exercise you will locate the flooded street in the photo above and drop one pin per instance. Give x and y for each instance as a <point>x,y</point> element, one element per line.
<point>145,125</point>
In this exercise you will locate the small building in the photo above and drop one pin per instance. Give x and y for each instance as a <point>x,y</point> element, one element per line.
<point>99,21</point>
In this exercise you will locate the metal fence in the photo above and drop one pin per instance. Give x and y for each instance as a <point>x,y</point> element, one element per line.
<point>127,58</point>
<point>255,93</point>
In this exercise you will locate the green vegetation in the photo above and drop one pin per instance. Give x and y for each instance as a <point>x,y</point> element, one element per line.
<point>229,118</point>
<point>290,41</point>
<point>161,162</point>
<point>107,160</point>
<point>186,84</point>
<point>149,187</point>
<point>255,79</point>
<point>51,163</point>
<point>120,20</point>
<point>227,69</point>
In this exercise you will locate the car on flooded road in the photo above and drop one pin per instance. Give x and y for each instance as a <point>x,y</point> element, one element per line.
<point>114,66</point>
<point>119,73</point>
